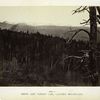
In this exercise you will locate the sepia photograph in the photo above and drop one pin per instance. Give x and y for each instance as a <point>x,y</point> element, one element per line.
<point>49,46</point>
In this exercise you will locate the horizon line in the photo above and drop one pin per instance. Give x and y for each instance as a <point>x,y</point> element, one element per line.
<point>15,23</point>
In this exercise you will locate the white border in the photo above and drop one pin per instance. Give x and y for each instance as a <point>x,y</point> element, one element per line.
<point>49,2</point>
<point>15,93</point>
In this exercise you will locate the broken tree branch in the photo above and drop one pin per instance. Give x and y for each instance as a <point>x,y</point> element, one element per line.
<point>77,31</point>
<point>98,9</point>
<point>85,21</point>
<point>81,9</point>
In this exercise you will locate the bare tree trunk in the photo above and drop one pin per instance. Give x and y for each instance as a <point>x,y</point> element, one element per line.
<point>93,44</point>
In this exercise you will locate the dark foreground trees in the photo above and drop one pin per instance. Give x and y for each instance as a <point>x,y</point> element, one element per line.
<point>36,59</point>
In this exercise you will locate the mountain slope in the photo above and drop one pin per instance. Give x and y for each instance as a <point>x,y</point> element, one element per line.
<point>60,31</point>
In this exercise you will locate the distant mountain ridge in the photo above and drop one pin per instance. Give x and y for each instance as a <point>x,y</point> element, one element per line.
<point>60,31</point>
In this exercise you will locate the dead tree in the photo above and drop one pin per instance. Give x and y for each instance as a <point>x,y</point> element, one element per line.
<point>93,44</point>
<point>93,19</point>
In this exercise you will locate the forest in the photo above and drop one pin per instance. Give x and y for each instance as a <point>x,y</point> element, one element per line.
<point>34,59</point>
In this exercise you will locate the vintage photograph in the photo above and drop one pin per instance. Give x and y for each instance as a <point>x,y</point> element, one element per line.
<point>49,46</point>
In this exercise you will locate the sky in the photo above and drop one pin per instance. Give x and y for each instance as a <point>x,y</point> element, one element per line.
<point>42,15</point>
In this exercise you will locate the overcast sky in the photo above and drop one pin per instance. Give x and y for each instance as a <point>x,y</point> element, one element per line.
<point>42,15</point>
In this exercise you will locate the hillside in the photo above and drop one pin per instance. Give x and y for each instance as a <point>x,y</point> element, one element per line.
<point>34,58</point>
<point>60,31</point>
